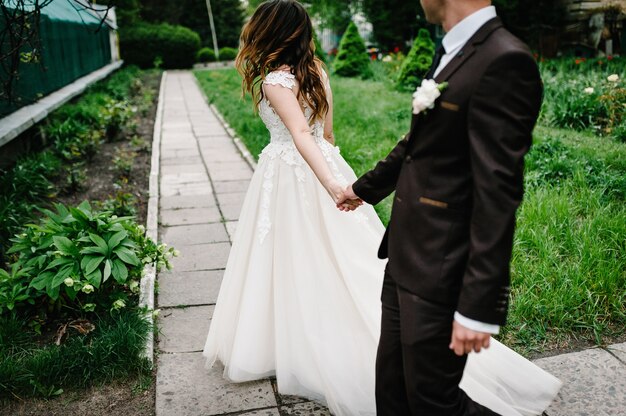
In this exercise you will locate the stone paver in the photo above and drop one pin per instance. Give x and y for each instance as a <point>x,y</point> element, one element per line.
<point>227,187</point>
<point>206,200</point>
<point>304,409</point>
<point>186,216</point>
<point>619,350</point>
<point>594,383</point>
<point>189,288</point>
<point>201,257</point>
<point>231,227</point>
<point>186,388</point>
<point>184,329</point>
<point>185,235</point>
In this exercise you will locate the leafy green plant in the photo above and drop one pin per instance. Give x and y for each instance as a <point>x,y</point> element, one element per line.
<point>123,161</point>
<point>352,59</point>
<point>116,115</point>
<point>81,259</point>
<point>75,177</point>
<point>417,62</point>
<point>122,204</point>
<point>14,288</point>
<point>72,140</point>
<point>26,185</point>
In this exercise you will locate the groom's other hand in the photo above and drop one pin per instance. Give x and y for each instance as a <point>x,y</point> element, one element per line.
<point>465,340</point>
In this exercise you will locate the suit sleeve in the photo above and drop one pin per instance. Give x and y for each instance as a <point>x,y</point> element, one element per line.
<point>378,183</point>
<point>501,116</point>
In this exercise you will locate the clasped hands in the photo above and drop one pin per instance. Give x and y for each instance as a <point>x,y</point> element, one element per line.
<point>345,199</point>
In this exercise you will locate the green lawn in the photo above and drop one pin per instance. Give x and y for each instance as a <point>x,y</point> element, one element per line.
<point>569,263</point>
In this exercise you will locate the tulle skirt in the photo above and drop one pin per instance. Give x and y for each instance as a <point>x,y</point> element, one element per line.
<point>300,299</point>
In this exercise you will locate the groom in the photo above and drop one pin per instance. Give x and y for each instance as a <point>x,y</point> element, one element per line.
<point>458,178</point>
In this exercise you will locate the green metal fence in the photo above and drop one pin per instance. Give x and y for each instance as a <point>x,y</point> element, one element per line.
<point>72,46</point>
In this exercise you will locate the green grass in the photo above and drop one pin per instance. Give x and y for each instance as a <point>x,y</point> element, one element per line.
<point>569,260</point>
<point>111,352</point>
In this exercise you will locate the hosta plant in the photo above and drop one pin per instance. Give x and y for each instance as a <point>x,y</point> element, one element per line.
<point>81,259</point>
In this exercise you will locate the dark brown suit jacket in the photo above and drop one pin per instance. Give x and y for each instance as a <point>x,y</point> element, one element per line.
<point>458,177</point>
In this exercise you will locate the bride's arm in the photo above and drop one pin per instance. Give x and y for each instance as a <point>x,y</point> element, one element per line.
<point>328,120</point>
<point>286,105</point>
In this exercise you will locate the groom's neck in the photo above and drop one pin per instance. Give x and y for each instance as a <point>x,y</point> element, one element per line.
<point>456,10</point>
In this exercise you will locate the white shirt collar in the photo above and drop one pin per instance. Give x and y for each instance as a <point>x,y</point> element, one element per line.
<point>465,29</point>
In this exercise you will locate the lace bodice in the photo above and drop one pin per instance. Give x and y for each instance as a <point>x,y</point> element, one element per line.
<point>278,130</point>
<point>282,149</point>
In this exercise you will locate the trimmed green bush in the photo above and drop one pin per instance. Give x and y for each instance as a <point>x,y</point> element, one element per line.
<point>228,54</point>
<point>205,55</point>
<point>352,59</point>
<point>417,62</point>
<point>145,44</point>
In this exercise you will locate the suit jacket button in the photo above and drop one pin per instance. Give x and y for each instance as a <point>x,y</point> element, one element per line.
<point>408,159</point>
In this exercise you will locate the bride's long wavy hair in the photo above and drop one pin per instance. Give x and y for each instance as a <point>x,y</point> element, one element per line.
<point>280,33</point>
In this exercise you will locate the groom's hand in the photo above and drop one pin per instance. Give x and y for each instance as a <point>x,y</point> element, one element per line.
<point>464,340</point>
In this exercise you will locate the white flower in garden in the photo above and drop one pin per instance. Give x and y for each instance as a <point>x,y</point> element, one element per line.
<point>88,288</point>
<point>89,307</point>
<point>425,95</point>
<point>141,229</point>
<point>119,304</point>
<point>69,281</point>
<point>613,78</point>
<point>589,90</point>
<point>387,58</point>
<point>133,286</point>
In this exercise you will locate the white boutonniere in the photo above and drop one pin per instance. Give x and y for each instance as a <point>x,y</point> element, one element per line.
<point>426,94</point>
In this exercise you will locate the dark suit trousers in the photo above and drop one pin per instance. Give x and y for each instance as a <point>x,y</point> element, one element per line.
<point>416,373</point>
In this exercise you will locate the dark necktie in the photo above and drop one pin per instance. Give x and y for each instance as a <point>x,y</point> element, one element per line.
<point>440,52</point>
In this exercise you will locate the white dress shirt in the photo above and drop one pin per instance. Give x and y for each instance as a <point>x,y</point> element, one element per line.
<point>453,42</point>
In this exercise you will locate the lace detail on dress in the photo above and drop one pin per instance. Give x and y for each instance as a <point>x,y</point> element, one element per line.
<point>284,78</point>
<point>282,149</point>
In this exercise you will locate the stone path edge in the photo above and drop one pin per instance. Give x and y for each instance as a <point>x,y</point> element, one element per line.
<point>146,295</point>
<point>241,147</point>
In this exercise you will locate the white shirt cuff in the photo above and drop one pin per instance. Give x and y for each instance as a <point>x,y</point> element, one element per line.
<point>476,325</point>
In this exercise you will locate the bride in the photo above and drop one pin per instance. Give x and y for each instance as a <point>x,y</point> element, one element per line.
<point>300,295</point>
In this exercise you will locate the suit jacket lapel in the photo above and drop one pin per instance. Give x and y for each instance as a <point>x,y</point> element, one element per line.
<point>468,50</point>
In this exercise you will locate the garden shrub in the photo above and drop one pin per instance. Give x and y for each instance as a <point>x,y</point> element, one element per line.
<point>228,54</point>
<point>352,60</point>
<point>205,55</point>
<point>143,44</point>
<point>585,94</point>
<point>80,260</point>
<point>418,61</point>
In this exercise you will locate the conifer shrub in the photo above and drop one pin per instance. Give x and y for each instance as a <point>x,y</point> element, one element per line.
<point>417,62</point>
<point>352,60</point>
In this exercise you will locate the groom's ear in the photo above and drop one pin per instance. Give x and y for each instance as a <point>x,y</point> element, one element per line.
<point>449,106</point>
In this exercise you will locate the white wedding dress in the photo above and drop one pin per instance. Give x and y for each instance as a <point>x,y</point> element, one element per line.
<point>300,298</point>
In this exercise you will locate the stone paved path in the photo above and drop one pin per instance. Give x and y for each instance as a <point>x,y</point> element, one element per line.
<point>202,185</point>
